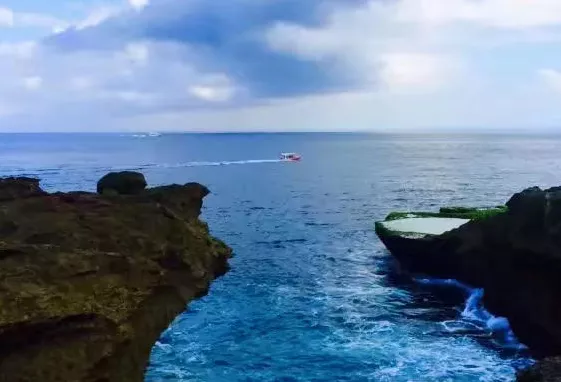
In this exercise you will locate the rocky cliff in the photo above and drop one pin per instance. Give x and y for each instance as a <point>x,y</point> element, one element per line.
<point>88,282</point>
<point>515,256</point>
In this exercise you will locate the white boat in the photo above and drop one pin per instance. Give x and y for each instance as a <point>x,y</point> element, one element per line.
<point>290,157</point>
<point>154,134</point>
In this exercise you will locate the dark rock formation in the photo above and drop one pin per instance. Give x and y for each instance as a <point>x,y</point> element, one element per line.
<point>12,188</point>
<point>122,183</point>
<point>515,256</point>
<point>547,370</point>
<point>88,282</point>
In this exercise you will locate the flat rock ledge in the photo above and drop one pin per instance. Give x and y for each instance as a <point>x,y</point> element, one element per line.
<point>512,252</point>
<point>88,282</point>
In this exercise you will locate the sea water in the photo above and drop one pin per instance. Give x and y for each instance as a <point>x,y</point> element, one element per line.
<point>313,295</point>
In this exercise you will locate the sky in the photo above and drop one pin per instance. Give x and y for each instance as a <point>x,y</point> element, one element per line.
<point>280,65</point>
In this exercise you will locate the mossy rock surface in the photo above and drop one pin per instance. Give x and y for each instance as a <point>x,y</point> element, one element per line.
<point>513,253</point>
<point>88,282</point>
<point>421,224</point>
<point>470,213</point>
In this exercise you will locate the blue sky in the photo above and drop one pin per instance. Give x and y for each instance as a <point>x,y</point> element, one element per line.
<point>278,65</point>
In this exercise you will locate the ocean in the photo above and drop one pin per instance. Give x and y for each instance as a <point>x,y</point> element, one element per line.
<point>312,294</point>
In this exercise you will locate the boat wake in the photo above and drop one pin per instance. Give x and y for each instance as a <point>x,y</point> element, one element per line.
<point>77,168</point>
<point>222,163</point>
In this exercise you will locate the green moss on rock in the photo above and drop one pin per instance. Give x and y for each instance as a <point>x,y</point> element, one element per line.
<point>451,212</point>
<point>467,213</point>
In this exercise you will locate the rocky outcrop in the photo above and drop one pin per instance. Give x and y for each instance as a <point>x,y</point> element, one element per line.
<point>547,370</point>
<point>122,183</point>
<point>88,282</point>
<point>12,188</point>
<point>515,256</point>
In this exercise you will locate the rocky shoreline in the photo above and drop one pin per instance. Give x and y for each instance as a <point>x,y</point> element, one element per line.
<point>88,282</point>
<point>514,254</point>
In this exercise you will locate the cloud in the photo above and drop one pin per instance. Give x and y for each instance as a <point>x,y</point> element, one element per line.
<point>414,71</point>
<point>139,4</point>
<point>370,46</point>
<point>552,78</point>
<point>368,111</point>
<point>222,36</point>
<point>20,50</point>
<point>313,64</point>
<point>96,17</point>
<point>141,77</point>
<point>6,17</point>
<point>32,83</point>
<point>137,53</point>
<point>80,83</point>
<point>209,93</point>
<point>36,20</point>
<point>9,18</point>
<point>494,13</point>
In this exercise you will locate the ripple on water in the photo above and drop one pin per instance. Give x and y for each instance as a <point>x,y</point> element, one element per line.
<point>316,321</point>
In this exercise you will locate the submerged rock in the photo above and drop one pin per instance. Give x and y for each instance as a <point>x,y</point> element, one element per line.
<point>513,254</point>
<point>122,183</point>
<point>89,282</point>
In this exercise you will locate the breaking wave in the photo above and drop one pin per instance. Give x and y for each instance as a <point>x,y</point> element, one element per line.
<point>475,318</point>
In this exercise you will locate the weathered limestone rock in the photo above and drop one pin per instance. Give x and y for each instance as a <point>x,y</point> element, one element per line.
<point>515,256</point>
<point>88,282</point>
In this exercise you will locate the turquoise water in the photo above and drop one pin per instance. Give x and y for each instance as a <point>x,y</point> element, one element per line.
<point>312,294</point>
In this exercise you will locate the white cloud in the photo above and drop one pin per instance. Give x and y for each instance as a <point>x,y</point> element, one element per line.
<point>32,83</point>
<point>81,83</point>
<point>212,94</point>
<point>9,18</point>
<point>137,53</point>
<point>395,52</point>
<point>131,96</point>
<point>57,29</point>
<point>95,80</point>
<point>139,4</point>
<point>552,78</point>
<point>366,111</point>
<point>411,71</point>
<point>494,13</point>
<point>96,17</point>
<point>370,45</point>
<point>6,110</point>
<point>6,17</point>
<point>23,50</point>
<point>36,20</point>
<point>213,87</point>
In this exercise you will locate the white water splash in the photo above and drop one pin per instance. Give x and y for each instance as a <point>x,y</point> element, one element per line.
<point>474,316</point>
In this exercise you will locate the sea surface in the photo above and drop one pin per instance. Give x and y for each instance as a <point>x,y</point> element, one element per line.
<point>312,294</point>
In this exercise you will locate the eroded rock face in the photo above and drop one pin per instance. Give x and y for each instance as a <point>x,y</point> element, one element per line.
<point>13,188</point>
<point>88,282</point>
<point>122,183</point>
<point>547,370</point>
<point>515,256</point>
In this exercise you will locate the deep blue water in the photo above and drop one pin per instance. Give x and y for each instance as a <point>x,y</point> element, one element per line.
<point>312,294</point>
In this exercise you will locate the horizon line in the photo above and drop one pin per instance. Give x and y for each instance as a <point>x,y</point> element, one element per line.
<point>451,131</point>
